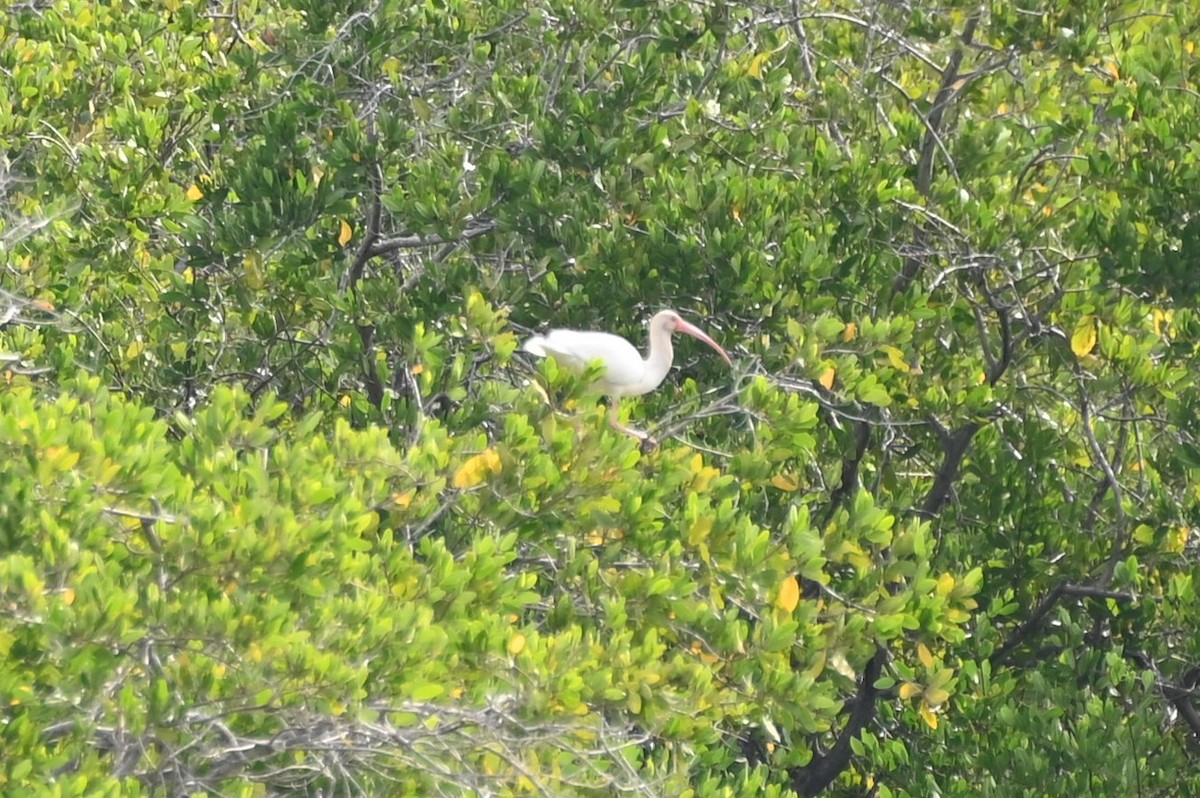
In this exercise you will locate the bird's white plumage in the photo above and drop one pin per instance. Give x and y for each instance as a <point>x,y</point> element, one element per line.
<point>626,373</point>
<point>624,368</point>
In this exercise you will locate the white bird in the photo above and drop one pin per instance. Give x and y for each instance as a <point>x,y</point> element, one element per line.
<point>625,373</point>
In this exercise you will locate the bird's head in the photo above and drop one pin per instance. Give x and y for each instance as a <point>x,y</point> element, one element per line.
<point>671,322</point>
<point>667,320</point>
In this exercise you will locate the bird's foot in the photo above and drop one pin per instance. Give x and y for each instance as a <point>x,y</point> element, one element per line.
<point>649,442</point>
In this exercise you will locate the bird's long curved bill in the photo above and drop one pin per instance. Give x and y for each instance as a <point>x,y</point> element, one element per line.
<point>683,327</point>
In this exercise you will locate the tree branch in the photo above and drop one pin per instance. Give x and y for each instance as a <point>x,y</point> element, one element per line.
<point>956,449</point>
<point>374,217</point>
<point>823,769</point>
<point>1026,630</point>
<point>1182,700</point>
<point>850,466</point>
<point>933,124</point>
<point>417,241</point>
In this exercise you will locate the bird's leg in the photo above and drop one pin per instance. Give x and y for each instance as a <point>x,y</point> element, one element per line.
<point>614,405</point>
<point>614,409</point>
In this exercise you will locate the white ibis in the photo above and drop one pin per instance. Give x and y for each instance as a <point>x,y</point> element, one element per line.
<point>626,373</point>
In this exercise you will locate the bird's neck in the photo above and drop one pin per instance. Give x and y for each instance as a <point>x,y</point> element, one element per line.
<point>658,361</point>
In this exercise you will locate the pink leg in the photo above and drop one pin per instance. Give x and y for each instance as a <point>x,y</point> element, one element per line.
<point>648,443</point>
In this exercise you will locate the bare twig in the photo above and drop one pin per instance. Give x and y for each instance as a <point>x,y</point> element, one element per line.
<point>416,241</point>
<point>444,743</point>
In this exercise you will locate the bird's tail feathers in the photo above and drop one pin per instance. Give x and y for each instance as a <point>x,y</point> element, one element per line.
<point>536,346</point>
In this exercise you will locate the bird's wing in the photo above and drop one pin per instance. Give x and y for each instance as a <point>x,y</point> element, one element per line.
<point>573,349</point>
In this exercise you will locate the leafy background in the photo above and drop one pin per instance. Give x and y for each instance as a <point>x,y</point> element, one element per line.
<point>283,511</point>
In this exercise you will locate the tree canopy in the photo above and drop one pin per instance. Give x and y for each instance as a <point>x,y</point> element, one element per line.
<point>283,509</point>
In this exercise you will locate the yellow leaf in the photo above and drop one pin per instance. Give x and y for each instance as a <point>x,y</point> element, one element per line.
<point>62,457</point>
<point>937,695</point>
<point>403,500</point>
<point>477,469</point>
<point>756,64</point>
<point>789,594</point>
<point>896,358</point>
<point>945,584</point>
<point>704,478</point>
<point>1113,70</point>
<point>346,233</point>
<point>69,596</point>
<point>1177,539</point>
<point>318,173</point>
<point>517,644</point>
<point>252,267</point>
<point>194,194</point>
<point>925,655</point>
<point>700,530</point>
<point>705,656</point>
<point>850,333</point>
<point>702,475</point>
<point>418,369</point>
<point>1083,341</point>
<point>908,690</point>
<point>826,378</point>
<point>928,716</point>
<point>1162,319</point>
<point>785,482</point>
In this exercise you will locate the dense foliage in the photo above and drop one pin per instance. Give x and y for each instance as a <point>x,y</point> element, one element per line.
<point>283,510</point>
